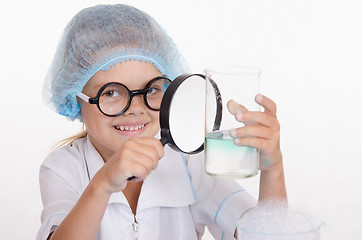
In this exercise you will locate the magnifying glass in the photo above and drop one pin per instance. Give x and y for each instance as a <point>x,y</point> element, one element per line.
<point>182,114</point>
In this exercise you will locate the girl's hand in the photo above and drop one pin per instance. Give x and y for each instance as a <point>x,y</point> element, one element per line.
<point>137,157</point>
<point>261,131</point>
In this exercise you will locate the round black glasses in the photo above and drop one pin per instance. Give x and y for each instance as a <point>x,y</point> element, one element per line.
<point>113,99</point>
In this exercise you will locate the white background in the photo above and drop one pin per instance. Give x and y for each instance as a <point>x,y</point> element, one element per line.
<point>311,55</point>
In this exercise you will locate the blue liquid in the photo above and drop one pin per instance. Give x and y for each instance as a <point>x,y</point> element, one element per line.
<point>225,159</point>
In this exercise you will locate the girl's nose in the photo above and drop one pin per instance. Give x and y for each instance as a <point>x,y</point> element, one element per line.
<point>137,106</point>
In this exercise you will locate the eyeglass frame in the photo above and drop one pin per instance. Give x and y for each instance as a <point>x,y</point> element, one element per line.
<point>132,94</point>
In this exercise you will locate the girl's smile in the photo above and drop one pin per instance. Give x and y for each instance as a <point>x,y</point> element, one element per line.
<point>131,129</point>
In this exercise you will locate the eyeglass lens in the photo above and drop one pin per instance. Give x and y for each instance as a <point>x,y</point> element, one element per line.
<point>115,98</point>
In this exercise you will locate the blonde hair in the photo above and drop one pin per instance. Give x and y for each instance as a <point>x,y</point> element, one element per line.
<point>69,141</point>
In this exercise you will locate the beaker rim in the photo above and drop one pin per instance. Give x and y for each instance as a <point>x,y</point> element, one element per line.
<point>231,69</point>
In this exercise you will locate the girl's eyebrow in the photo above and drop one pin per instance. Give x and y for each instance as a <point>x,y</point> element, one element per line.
<point>95,88</point>
<point>99,85</point>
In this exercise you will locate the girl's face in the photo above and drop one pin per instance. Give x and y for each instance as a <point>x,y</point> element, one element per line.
<point>105,132</point>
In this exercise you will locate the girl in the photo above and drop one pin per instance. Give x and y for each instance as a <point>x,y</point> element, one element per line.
<point>110,71</point>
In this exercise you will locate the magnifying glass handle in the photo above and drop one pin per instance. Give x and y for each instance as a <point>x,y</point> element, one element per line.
<point>163,141</point>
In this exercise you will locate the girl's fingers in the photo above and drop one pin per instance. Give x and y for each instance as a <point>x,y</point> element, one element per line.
<point>266,118</point>
<point>261,118</point>
<point>235,107</point>
<point>152,150</point>
<point>261,144</point>
<point>133,164</point>
<point>137,157</point>
<point>140,171</point>
<point>269,105</point>
<point>151,143</point>
<point>145,160</point>
<point>253,131</point>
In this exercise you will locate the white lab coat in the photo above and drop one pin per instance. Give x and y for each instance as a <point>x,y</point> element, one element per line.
<point>177,200</point>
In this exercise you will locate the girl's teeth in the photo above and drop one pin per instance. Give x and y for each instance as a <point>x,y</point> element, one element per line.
<point>130,128</point>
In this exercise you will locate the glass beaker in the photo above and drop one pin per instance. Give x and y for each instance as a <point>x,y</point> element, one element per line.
<point>224,83</point>
<point>278,224</point>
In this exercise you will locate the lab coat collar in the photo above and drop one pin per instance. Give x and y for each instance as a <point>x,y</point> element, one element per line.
<point>167,186</point>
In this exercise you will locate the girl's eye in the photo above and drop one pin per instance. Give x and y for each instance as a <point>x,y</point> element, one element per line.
<point>152,90</point>
<point>111,93</point>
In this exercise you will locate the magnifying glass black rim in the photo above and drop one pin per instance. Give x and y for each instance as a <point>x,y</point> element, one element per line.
<point>166,136</point>
<point>165,113</point>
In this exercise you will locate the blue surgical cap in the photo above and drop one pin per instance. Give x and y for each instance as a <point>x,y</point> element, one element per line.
<point>98,38</point>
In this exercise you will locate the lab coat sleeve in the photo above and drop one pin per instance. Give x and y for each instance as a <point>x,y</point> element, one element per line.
<point>220,202</point>
<point>60,188</point>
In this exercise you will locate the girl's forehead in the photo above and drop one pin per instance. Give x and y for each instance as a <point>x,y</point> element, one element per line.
<point>133,74</point>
